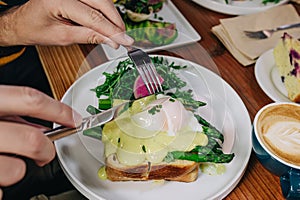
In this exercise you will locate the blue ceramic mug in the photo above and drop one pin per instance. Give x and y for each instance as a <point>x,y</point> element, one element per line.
<point>276,143</point>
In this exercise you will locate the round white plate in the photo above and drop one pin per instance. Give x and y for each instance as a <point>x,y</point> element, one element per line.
<point>225,110</point>
<point>268,77</point>
<point>237,7</point>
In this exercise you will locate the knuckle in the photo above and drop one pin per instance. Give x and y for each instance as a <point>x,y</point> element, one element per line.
<point>96,16</point>
<point>33,97</point>
<point>93,39</point>
<point>36,142</point>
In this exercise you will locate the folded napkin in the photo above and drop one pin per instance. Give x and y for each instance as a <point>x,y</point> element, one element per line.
<point>247,50</point>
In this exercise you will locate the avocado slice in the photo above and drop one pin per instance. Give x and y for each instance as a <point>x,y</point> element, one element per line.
<point>151,33</point>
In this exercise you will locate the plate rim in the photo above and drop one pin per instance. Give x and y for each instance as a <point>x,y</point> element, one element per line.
<point>234,10</point>
<point>235,179</point>
<point>261,77</point>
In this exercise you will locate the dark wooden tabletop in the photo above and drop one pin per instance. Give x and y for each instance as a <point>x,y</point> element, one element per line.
<point>257,182</point>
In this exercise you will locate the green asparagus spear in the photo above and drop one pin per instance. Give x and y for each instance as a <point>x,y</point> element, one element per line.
<point>215,158</point>
<point>208,129</point>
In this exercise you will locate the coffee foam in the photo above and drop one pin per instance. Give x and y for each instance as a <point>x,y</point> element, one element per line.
<point>279,130</point>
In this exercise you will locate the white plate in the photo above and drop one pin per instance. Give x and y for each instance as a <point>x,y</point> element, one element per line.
<point>186,33</point>
<point>268,77</point>
<point>224,109</point>
<point>237,7</point>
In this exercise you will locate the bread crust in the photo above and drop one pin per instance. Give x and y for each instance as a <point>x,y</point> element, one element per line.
<point>179,170</point>
<point>297,99</point>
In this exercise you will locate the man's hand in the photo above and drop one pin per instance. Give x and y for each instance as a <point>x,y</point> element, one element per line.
<point>63,22</point>
<point>18,137</point>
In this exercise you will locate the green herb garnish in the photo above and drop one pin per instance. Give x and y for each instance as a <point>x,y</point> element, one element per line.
<point>155,109</point>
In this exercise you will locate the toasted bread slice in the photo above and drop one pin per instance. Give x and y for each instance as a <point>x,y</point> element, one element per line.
<point>179,170</point>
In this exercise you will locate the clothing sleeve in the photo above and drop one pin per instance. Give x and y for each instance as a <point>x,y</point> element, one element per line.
<point>6,4</point>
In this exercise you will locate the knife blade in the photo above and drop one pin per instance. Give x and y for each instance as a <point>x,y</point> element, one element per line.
<point>88,123</point>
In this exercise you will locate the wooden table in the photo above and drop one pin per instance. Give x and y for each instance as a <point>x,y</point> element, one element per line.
<point>257,182</point>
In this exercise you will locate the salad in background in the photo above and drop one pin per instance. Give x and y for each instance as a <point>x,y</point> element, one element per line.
<point>143,23</point>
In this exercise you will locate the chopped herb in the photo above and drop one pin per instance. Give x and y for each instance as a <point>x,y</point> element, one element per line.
<point>144,148</point>
<point>154,109</point>
<point>92,110</point>
<point>186,98</point>
<point>270,1</point>
<point>172,100</point>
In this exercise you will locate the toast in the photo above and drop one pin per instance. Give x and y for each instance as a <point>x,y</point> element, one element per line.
<point>179,170</point>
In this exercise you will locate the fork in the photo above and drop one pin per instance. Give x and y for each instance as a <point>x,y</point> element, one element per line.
<point>263,34</point>
<point>146,69</point>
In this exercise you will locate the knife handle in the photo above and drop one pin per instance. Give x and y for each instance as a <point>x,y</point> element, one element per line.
<point>60,132</point>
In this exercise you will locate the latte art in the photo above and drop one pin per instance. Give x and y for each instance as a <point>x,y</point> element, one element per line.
<point>280,132</point>
<point>284,137</point>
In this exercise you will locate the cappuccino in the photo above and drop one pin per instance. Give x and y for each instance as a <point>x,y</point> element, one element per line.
<point>278,128</point>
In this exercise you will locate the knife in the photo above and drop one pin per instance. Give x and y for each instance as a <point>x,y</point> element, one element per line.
<point>88,123</point>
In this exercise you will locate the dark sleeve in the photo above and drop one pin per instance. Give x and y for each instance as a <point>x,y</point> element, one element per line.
<point>6,4</point>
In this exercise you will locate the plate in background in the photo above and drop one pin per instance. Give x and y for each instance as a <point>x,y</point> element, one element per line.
<point>237,7</point>
<point>268,78</point>
<point>186,33</point>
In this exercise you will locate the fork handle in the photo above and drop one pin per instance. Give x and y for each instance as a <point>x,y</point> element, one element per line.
<point>284,27</point>
<point>60,132</point>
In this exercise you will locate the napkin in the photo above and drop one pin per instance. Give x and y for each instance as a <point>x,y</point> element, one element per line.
<point>247,50</point>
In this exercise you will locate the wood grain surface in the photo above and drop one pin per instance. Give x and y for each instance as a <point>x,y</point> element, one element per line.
<point>64,64</point>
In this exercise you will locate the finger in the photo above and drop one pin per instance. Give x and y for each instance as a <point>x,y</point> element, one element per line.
<point>1,194</point>
<point>95,20</point>
<point>23,121</point>
<point>12,170</point>
<point>30,102</point>
<point>26,141</point>
<point>108,9</point>
<point>84,35</point>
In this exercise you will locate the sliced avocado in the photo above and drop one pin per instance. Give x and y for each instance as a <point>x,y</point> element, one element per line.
<point>152,33</point>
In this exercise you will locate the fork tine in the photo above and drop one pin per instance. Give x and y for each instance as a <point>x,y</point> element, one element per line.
<point>153,77</point>
<point>156,77</point>
<point>255,34</point>
<point>146,69</point>
<point>149,78</point>
<point>144,78</point>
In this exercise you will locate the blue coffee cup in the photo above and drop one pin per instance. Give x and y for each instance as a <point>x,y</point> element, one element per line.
<point>289,172</point>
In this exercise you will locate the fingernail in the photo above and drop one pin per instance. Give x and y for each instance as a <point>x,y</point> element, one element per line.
<point>129,39</point>
<point>77,119</point>
<point>111,43</point>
